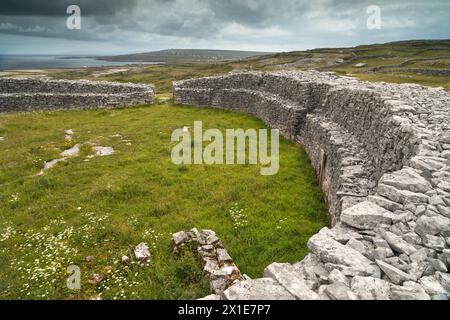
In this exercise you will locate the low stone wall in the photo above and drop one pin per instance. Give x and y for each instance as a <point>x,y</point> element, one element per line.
<point>382,155</point>
<point>26,94</point>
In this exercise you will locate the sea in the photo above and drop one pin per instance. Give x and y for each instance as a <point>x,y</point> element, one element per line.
<point>27,62</point>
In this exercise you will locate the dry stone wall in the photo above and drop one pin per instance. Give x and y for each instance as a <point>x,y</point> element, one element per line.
<point>382,156</point>
<point>26,94</point>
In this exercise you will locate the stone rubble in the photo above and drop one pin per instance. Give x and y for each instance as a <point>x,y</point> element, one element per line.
<point>218,264</point>
<point>382,156</point>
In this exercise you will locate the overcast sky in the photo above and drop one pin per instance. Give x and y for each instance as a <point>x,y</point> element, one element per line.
<point>123,26</point>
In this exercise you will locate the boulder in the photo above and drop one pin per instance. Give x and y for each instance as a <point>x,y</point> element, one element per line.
<point>142,253</point>
<point>286,276</point>
<point>369,288</point>
<point>180,238</point>
<point>432,286</point>
<point>427,164</point>
<point>409,292</point>
<point>329,250</point>
<point>432,225</point>
<point>395,275</point>
<point>385,203</point>
<point>72,152</point>
<point>339,291</point>
<point>338,276</point>
<point>311,270</point>
<point>397,243</point>
<point>434,242</point>
<point>438,265</point>
<point>366,216</point>
<point>258,289</point>
<point>401,196</point>
<point>406,179</point>
<point>444,280</point>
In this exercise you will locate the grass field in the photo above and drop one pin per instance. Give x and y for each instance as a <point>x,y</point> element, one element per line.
<point>104,206</point>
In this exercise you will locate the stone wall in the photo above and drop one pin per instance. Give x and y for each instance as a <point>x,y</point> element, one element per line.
<point>382,155</point>
<point>26,94</point>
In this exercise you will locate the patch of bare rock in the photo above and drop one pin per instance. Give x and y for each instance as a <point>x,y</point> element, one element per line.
<point>75,151</point>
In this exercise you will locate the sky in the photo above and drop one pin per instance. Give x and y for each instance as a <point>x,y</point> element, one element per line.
<point>127,26</point>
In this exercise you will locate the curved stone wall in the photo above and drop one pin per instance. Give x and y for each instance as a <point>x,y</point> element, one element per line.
<point>382,155</point>
<point>25,94</point>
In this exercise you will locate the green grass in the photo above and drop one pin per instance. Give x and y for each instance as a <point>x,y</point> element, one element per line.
<point>104,207</point>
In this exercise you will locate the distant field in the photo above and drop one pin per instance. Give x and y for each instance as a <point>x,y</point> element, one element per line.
<point>103,207</point>
<point>422,62</point>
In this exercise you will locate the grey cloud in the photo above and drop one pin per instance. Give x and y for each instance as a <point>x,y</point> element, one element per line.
<point>263,24</point>
<point>58,7</point>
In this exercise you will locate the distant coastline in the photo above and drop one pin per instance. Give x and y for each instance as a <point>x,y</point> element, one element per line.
<point>27,62</point>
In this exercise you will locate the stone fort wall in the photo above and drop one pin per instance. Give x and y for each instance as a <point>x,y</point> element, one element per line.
<point>382,155</point>
<point>26,94</point>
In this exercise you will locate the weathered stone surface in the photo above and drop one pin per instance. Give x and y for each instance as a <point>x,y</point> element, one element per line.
<point>427,163</point>
<point>438,265</point>
<point>286,276</point>
<point>434,242</point>
<point>72,152</point>
<point>444,280</point>
<point>401,196</point>
<point>369,288</point>
<point>385,203</point>
<point>409,292</point>
<point>103,151</point>
<point>432,225</point>
<point>258,289</point>
<point>366,215</point>
<point>337,276</point>
<point>223,256</point>
<point>395,275</point>
<point>339,291</point>
<point>419,255</point>
<point>180,238</point>
<point>358,246</point>
<point>444,210</point>
<point>311,270</point>
<point>446,255</point>
<point>432,286</point>
<point>329,250</point>
<point>406,179</point>
<point>397,243</point>
<point>142,253</point>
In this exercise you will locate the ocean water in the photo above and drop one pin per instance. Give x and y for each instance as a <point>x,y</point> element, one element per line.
<point>16,62</point>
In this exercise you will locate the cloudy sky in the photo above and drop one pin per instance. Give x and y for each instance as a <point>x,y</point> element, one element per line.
<point>123,26</point>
